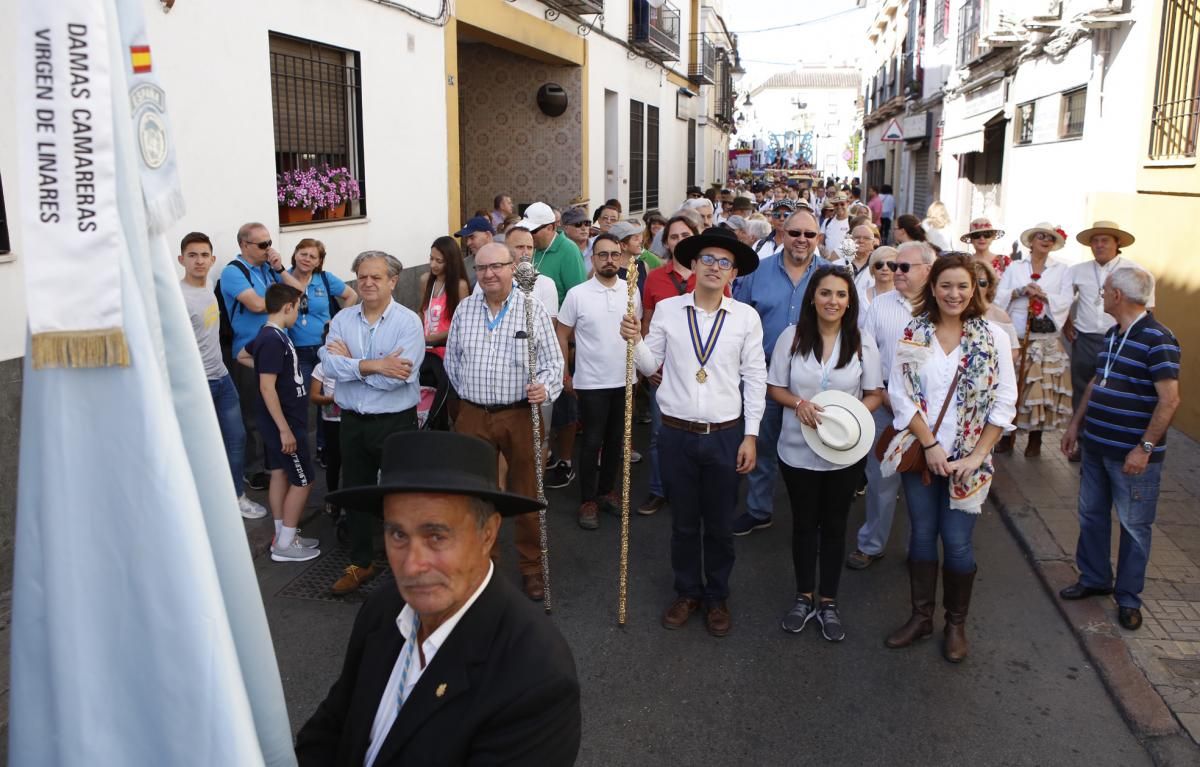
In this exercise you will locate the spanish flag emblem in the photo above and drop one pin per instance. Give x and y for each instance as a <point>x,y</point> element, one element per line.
<point>139,56</point>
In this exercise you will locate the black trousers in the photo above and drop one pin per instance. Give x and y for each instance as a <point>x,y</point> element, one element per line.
<point>603,414</point>
<point>433,373</point>
<point>820,502</point>
<point>333,455</point>
<point>362,438</point>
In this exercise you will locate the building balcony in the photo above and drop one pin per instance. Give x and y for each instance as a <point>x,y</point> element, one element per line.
<point>577,7</point>
<point>703,68</point>
<point>655,31</point>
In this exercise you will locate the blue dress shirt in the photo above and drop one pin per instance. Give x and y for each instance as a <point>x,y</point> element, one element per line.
<point>770,290</point>
<point>398,328</point>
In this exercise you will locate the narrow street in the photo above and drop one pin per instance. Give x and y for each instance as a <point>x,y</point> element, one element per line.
<point>1027,695</point>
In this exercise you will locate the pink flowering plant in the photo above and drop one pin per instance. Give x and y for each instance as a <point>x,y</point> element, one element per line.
<point>316,188</point>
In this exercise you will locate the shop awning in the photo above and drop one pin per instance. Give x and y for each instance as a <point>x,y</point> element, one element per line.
<point>966,135</point>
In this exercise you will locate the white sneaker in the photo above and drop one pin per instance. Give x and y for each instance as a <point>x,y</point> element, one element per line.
<point>250,509</point>
<point>293,553</point>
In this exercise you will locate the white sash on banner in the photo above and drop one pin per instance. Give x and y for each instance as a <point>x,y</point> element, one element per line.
<point>67,190</point>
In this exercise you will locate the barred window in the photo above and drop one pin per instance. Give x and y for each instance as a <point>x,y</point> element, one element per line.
<point>969,14</point>
<point>1024,127</point>
<point>316,102</point>
<point>1073,106</point>
<point>941,18</point>
<point>1175,117</point>
<point>637,156</point>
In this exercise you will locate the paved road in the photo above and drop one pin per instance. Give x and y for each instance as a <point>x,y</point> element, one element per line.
<point>1026,696</point>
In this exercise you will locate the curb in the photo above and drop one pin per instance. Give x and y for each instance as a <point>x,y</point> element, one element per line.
<point>1140,704</point>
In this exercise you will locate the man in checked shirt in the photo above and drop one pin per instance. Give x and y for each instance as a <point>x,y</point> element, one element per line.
<point>487,361</point>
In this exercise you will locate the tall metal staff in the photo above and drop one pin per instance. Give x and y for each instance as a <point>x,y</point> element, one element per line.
<point>631,275</point>
<point>526,277</point>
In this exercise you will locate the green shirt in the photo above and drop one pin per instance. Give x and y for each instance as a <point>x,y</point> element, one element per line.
<point>652,261</point>
<point>562,263</point>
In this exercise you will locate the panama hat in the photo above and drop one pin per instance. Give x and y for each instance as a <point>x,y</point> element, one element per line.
<point>435,462</point>
<point>846,432</point>
<point>744,257</point>
<point>981,226</point>
<point>1124,238</point>
<point>1060,237</point>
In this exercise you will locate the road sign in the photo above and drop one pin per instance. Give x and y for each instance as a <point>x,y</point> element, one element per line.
<point>892,132</point>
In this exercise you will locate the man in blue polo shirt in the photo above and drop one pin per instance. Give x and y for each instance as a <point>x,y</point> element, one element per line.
<point>1125,413</point>
<point>776,289</point>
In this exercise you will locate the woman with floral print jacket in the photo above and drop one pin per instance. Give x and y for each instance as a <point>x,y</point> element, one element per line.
<point>949,354</point>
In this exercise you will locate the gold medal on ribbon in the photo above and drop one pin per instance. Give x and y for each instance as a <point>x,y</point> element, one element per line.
<point>704,349</point>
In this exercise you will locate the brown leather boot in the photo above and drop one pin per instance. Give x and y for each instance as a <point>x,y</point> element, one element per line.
<point>1003,445</point>
<point>922,581</point>
<point>956,598</point>
<point>1034,447</point>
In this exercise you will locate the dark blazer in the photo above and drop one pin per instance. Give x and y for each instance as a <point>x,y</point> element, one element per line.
<point>510,694</point>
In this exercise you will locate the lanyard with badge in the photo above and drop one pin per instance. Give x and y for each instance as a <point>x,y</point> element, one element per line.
<point>495,323</point>
<point>704,349</point>
<point>1108,364</point>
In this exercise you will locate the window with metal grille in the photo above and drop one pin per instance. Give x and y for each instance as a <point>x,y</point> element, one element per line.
<point>968,31</point>
<point>941,18</point>
<point>1023,133</point>
<point>637,156</point>
<point>651,157</point>
<point>691,153</point>
<point>1175,117</point>
<point>1071,120</point>
<point>316,102</point>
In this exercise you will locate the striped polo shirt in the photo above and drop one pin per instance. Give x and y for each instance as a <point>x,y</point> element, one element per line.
<point>1119,411</point>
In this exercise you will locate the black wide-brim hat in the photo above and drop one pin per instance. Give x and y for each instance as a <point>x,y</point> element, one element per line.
<point>744,257</point>
<point>435,462</point>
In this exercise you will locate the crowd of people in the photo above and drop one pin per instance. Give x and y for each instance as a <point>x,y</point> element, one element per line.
<point>773,331</point>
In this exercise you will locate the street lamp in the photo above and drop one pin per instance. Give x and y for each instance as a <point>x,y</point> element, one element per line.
<point>747,102</point>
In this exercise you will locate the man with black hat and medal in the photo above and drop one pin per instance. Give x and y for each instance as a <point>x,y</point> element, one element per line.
<point>448,664</point>
<point>710,348</point>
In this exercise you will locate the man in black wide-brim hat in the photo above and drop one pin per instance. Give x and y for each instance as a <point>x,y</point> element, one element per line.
<point>450,664</point>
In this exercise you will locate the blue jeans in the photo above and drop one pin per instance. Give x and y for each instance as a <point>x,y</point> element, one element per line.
<point>881,497</point>
<point>1103,486</point>
<point>656,484</point>
<point>760,495</point>
<point>229,417</point>
<point>930,517</point>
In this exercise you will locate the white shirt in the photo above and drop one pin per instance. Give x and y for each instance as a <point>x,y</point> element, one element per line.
<point>389,704</point>
<point>595,313</point>
<point>835,230</point>
<point>736,370</point>
<point>862,281</point>
<point>1055,280</point>
<point>885,320</point>
<point>936,375</point>
<point>1086,279</point>
<point>545,292</point>
<point>802,377</point>
<point>937,237</point>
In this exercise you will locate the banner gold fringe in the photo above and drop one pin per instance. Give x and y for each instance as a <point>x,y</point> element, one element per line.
<point>80,349</point>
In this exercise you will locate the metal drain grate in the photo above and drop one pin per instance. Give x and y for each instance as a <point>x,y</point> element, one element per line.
<point>316,579</point>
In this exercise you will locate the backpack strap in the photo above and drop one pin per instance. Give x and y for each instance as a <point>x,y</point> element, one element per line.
<point>245,270</point>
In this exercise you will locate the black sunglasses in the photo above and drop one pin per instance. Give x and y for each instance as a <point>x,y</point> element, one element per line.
<point>803,233</point>
<point>261,245</point>
<point>904,267</point>
<point>891,265</point>
<point>982,283</point>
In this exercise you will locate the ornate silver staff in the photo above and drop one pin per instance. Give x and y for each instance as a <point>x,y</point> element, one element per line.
<point>526,277</point>
<point>631,275</point>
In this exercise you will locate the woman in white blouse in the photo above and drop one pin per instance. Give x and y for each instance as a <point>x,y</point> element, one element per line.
<point>1042,283</point>
<point>951,356</point>
<point>824,351</point>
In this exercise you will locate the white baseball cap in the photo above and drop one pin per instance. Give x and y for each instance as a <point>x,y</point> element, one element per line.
<point>537,215</point>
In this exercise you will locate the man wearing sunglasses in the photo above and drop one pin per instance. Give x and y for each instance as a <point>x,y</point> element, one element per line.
<point>243,283</point>
<point>555,256</point>
<point>885,320</point>
<point>776,290</point>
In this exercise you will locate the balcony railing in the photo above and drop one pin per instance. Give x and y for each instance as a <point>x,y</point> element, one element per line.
<point>704,65</point>
<point>655,31</point>
<point>577,7</point>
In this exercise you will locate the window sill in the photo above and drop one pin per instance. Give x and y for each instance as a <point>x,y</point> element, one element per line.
<point>310,225</point>
<point>1178,162</point>
<point>8,258</point>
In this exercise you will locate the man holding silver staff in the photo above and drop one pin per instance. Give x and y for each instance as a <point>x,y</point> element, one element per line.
<point>710,348</point>
<point>487,361</point>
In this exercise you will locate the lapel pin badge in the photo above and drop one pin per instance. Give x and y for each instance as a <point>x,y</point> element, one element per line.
<point>441,689</point>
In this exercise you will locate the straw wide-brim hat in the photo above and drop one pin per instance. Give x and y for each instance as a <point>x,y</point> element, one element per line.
<point>981,226</point>
<point>846,431</point>
<point>1045,228</point>
<point>1124,238</point>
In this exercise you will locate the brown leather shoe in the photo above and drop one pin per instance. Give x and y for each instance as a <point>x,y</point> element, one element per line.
<point>651,505</point>
<point>589,515</point>
<point>534,586</point>
<point>1033,448</point>
<point>922,584</point>
<point>355,576</point>
<point>717,619</point>
<point>1003,445</point>
<point>956,598</point>
<point>679,612</point>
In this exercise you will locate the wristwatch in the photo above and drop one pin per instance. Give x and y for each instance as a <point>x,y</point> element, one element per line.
<point>1148,447</point>
<point>278,271</point>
